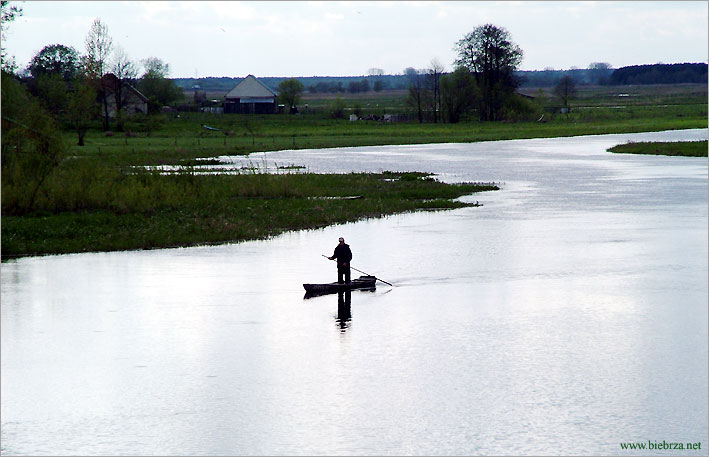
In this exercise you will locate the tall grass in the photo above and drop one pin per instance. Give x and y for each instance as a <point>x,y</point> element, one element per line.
<point>675,148</point>
<point>86,207</point>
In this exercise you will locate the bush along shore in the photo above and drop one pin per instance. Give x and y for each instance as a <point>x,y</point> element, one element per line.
<point>678,148</point>
<point>87,207</point>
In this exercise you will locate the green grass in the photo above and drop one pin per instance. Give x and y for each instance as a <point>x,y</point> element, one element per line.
<point>98,200</point>
<point>149,210</point>
<point>597,110</point>
<point>185,139</point>
<point>680,148</point>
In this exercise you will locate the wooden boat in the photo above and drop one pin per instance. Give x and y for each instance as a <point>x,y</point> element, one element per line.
<point>363,282</point>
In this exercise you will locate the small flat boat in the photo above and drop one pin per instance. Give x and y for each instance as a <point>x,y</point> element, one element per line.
<point>363,282</point>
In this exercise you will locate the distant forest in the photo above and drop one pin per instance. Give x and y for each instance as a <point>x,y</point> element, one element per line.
<point>636,74</point>
<point>660,74</point>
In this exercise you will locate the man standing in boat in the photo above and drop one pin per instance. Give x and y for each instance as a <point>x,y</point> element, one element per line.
<point>343,255</point>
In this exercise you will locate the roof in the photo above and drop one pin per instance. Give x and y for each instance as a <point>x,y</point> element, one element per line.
<point>140,95</point>
<point>250,87</point>
<point>112,83</point>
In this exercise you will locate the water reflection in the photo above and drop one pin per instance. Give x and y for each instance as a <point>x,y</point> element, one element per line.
<point>544,313</point>
<point>344,310</point>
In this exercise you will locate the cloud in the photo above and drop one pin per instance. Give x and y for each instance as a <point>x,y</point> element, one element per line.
<point>330,37</point>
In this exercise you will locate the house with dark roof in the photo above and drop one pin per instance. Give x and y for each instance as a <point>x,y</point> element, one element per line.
<point>251,96</point>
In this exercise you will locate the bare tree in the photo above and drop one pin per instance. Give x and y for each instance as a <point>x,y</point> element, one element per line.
<point>434,78</point>
<point>99,45</point>
<point>565,90</point>
<point>417,90</point>
<point>125,71</point>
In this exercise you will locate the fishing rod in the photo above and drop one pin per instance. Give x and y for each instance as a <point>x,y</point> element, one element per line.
<point>364,273</point>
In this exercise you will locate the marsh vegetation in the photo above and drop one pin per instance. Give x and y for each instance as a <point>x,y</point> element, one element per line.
<point>678,148</point>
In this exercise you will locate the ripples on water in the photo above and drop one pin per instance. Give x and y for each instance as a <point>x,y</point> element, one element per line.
<point>566,315</point>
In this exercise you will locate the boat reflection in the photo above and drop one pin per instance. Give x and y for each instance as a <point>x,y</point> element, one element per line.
<point>344,310</point>
<point>343,318</point>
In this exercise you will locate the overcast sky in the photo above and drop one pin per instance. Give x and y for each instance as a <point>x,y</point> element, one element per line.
<point>324,38</point>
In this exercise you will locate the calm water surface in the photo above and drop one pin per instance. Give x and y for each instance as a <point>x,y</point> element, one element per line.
<point>565,316</point>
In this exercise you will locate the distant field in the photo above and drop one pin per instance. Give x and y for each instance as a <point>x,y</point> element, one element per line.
<point>597,110</point>
<point>589,98</point>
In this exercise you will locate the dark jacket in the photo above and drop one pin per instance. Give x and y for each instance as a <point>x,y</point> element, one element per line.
<point>342,254</point>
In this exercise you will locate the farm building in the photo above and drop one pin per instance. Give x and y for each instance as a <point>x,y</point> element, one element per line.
<point>251,96</point>
<point>131,100</point>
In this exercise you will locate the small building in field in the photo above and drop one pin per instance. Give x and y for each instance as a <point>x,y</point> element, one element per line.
<point>122,94</point>
<point>251,96</point>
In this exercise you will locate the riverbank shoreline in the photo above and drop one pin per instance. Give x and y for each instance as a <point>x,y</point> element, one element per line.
<point>185,209</point>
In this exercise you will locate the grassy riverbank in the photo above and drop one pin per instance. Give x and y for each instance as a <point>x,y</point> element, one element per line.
<point>108,211</point>
<point>173,138</point>
<point>69,198</point>
<point>184,138</point>
<point>678,148</point>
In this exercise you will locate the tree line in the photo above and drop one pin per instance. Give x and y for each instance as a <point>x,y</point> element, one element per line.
<point>76,88</point>
<point>661,74</point>
<point>597,73</point>
<point>483,83</point>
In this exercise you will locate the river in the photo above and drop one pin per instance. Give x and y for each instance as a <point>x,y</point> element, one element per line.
<point>566,315</point>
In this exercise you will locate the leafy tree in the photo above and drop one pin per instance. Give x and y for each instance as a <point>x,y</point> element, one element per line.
<point>355,87</point>
<point>337,108</point>
<point>32,147</point>
<point>519,108</point>
<point>82,108</point>
<point>599,72</point>
<point>489,53</point>
<point>52,92</point>
<point>155,67</point>
<point>55,59</point>
<point>320,87</point>
<point>289,92</point>
<point>565,89</point>
<point>9,14</point>
<point>458,94</point>
<point>155,85</point>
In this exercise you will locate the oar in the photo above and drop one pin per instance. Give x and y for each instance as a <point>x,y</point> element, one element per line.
<point>378,279</point>
<point>364,273</point>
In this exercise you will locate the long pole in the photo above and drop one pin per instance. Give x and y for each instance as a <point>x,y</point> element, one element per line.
<point>364,273</point>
